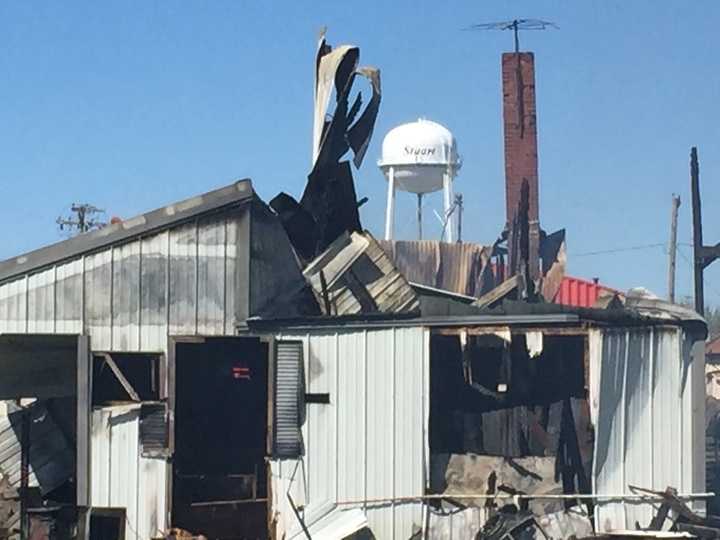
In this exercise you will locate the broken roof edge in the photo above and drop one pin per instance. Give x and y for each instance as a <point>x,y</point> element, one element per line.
<point>152,221</point>
<point>510,313</point>
<point>428,290</point>
<point>388,320</point>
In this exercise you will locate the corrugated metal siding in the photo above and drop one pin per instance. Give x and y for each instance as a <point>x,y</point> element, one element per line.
<point>370,441</point>
<point>458,267</point>
<point>579,292</point>
<point>647,388</point>
<point>121,477</point>
<point>120,295</point>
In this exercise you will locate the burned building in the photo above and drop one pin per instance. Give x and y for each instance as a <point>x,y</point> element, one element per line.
<point>402,414</point>
<point>121,336</point>
<point>243,370</point>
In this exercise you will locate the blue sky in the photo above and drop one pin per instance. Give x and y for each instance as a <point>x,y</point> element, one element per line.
<point>133,105</point>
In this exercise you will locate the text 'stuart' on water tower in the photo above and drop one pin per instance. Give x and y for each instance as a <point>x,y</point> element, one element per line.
<point>420,157</point>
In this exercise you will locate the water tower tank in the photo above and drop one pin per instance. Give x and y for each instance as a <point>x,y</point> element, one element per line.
<point>420,154</point>
<point>420,157</point>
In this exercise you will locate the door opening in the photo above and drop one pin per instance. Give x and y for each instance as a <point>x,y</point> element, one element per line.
<point>221,418</point>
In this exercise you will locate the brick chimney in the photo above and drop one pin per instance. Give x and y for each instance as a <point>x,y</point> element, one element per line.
<point>521,161</point>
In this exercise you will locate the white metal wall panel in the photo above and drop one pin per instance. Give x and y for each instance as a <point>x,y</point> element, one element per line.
<point>13,312</point>
<point>232,239</point>
<point>126,297</point>
<point>369,443</point>
<point>152,501</point>
<point>320,373</point>
<point>100,458</point>
<point>121,477</point>
<point>667,411</point>
<point>98,299</point>
<point>183,280</point>
<point>211,278</point>
<point>41,302</point>
<point>409,375</point>
<point>69,297</point>
<point>381,435</point>
<point>154,292</point>
<point>124,454</point>
<point>638,417</point>
<point>645,432</point>
<point>351,421</point>
<point>131,296</point>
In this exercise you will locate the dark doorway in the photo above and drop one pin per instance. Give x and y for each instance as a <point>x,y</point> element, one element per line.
<point>221,409</point>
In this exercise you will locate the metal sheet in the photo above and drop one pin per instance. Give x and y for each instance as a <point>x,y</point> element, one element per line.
<point>41,302</point>
<point>369,442</point>
<point>452,267</point>
<point>69,298</point>
<point>98,299</point>
<point>126,297</point>
<point>211,278</point>
<point>645,386</point>
<point>154,292</point>
<point>121,477</point>
<point>578,292</point>
<point>13,306</point>
<point>51,460</point>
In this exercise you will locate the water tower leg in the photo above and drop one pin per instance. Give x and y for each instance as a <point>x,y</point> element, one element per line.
<point>448,197</point>
<point>419,216</point>
<point>390,210</point>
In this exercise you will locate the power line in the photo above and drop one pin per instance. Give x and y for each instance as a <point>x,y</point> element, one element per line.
<point>692,267</point>
<point>619,250</point>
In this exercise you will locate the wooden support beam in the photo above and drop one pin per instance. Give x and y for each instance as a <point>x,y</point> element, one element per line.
<point>498,293</point>
<point>120,377</point>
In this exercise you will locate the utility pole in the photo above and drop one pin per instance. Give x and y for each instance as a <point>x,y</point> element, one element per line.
<point>672,247</point>
<point>83,222</point>
<point>703,255</point>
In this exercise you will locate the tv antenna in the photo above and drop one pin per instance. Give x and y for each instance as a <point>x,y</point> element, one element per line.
<point>515,25</point>
<point>83,220</point>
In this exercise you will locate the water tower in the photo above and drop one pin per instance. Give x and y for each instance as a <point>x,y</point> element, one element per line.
<point>420,157</point>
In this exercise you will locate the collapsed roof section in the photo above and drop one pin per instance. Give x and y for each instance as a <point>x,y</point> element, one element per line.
<point>329,206</point>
